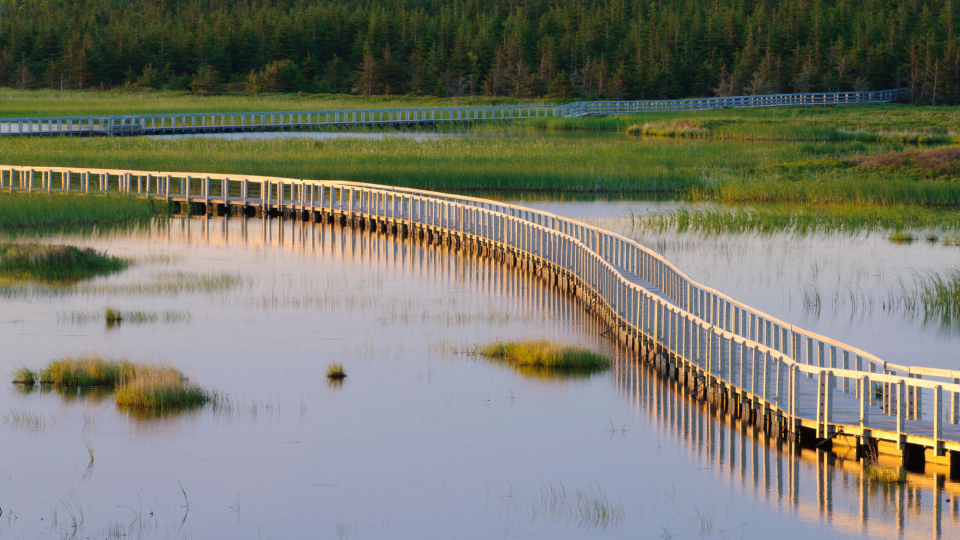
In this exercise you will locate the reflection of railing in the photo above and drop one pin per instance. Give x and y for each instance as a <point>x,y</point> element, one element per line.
<point>788,375</point>
<point>146,124</point>
<point>845,494</point>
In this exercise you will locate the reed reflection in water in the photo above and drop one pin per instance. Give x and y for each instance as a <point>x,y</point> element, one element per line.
<point>421,438</point>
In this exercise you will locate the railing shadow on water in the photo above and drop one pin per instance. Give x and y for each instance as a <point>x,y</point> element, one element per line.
<point>808,480</point>
<point>804,383</point>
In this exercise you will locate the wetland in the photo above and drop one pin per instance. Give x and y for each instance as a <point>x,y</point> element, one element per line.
<point>358,384</point>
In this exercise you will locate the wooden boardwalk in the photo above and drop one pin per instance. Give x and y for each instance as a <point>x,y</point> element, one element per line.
<point>227,122</point>
<point>811,387</point>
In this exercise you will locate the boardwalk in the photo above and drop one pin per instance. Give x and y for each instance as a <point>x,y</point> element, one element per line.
<point>785,379</point>
<point>226,122</point>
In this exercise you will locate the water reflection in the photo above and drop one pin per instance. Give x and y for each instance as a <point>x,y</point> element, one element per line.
<point>421,438</point>
<point>778,471</point>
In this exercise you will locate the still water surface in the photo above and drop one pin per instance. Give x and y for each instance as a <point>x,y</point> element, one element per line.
<point>422,440</point>
<point>855,276</point>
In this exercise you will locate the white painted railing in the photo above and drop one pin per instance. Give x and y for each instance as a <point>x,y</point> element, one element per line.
<point>802,377</point>
<point>147,124</point>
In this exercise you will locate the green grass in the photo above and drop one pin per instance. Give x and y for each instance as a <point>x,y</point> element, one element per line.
<point>43,103</point>
<point>802,218</point>
<point>55,263</point>
<point>866,123</point>
<point>138,385</point>
<point>549,164</point>
<point>25,376</point>
<point>335,371</point>
<point>546,355</point>
<point>25,213</point>
<point>161,389</point>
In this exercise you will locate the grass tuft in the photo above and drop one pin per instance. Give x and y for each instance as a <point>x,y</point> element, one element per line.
<point>25,376</point>
<point>546,355</point>
<point>161,389</point>
<point>335,371</point>
<point>44,211</point>
<point>900,237</point>
<point>139,385</point>
<point>55,263</point>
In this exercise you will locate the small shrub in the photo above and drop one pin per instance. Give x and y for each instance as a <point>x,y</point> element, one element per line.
<point>113,315</point>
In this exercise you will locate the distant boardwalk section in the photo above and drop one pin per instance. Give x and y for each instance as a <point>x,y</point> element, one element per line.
<point>787,381</point>
<point>159,124</point>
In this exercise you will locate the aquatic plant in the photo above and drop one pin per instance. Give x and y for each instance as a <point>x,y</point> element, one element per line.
<point>58,263</point>
<point>28,212</point>
<point>138,385</point>
<point>161,389</point>
<point>798,218</point>
<point>546,354</point>
<point>28,420</point>
<point>25,376</point>
<point>335,371</point>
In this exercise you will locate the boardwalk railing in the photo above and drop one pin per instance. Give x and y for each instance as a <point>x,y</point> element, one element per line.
<point>784,374</point>
<point>157,124</point>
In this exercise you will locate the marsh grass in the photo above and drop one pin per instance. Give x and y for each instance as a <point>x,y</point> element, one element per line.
<point>546,164</point>
<point>544,354</point>
<point>138,385</point>
<point>161,389</point>
<point>29,212</point>
<point>901,237</point>
<point>113,315</point>
<point>43,103</point>
<point>589,507</point>
<point>173,283</point>
<point>863,123</point>
<point>29,421</point>
<point>25,376</point>
<point>335,371</point>
<point>800,218</point>
<point>55,263</point>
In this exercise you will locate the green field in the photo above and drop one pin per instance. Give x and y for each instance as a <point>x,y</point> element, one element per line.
<point>46,103</point>
<point>783,156</point>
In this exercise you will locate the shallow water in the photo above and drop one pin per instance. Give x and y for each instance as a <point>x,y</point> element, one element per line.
<point>422,440</point>
<point>779,273</point>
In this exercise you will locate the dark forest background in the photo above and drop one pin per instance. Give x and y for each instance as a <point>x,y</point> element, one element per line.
<point>615,49</point>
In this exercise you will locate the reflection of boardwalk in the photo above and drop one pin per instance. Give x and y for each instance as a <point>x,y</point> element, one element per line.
<point>807,385</point>
<point>816,483</point>
<point>232,122</point>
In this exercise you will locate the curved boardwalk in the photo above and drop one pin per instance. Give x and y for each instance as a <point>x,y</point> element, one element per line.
<point>784,379</point>
<point>220,122</point>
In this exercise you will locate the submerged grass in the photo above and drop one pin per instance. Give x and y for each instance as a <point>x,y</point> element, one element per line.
<point>113,316</point>
<point>546,355</point>
<point>28,420</point>
<point>55,263</point>
<point>138,385</point>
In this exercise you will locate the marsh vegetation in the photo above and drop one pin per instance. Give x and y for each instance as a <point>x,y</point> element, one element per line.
<point>55,262</point>
<point>26,213</point>
<point>543,354</point>
<point>137,385</point>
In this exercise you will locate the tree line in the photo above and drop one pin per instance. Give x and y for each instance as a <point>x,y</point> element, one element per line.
<point>613,49</point>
